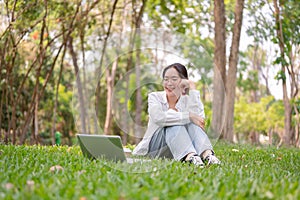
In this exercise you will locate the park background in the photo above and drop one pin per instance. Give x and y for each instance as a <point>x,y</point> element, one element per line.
<point>81,66</point>
<point>87,67</point>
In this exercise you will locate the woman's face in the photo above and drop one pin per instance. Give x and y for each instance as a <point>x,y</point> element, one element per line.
<point>171,83</point>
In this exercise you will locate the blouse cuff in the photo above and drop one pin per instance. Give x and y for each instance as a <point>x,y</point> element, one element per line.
<point>186,117</point>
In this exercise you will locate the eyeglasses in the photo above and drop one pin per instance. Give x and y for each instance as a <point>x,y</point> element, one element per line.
<point>173,79</point>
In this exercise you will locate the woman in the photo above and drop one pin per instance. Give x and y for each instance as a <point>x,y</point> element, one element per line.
<point>176,122</point>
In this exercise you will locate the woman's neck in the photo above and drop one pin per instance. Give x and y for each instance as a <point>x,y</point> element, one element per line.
<point>172,100</point>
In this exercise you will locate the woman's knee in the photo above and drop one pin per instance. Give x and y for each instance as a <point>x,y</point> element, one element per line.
<point>194,128</point>
<point>175,129</point>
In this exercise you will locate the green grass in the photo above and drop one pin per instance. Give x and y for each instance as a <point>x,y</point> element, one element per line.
<point>249,173</point>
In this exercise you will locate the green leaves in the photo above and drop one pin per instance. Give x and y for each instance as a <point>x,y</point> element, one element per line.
<point>258,116</point>
<point>280,75</point>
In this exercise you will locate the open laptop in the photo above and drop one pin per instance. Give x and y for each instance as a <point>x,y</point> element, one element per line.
<point>103,146</point>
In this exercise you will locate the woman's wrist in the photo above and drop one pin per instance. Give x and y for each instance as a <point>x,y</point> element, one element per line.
<point>191,115</point>
<point>196,119</point>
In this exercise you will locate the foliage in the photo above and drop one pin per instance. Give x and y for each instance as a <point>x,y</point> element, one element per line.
<point>179,16</point>
<point>264,29</point>
<point>268,114</point>
<point>247,172</point>
<point>199,53</point>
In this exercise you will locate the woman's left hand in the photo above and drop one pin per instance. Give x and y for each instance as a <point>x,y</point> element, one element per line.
<point>196,119</point>
<point>185,86</point>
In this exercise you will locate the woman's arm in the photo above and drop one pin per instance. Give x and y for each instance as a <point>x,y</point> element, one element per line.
<point>165,118</point>
<point>195,105</point>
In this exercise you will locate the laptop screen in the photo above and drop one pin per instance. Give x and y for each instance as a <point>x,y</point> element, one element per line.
<point>101,146</point>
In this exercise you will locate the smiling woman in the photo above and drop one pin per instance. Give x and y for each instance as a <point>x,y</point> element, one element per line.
<point>176,122</point>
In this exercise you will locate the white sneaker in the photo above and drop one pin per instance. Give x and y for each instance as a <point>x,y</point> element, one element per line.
<point>212,160</point>
<point>196,160</point>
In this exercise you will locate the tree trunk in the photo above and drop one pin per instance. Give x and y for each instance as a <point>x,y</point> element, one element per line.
<point>203,92</point>
<point>31,141</point>
<point>79,85</point>
<point>219,68</point>
<point>110,81</point>
<point>123,112</point>
<point>84,91</point>
<point>13,119</point>
<point>98,89</point>
<point>231,77</point>
<point>258,60</point>
<point>297,133</point>
<point>1,109</point>
<point>138,106</point>
<point>138,109</point>
<point>255,64</point>
<point>7,131</point>
<point>36,120</point>
<point>270,134</point>
<point>82,34</point>
<point>254,137</point>
<point>56,99</point>
<point>36,102</point>
<point>287,137</point>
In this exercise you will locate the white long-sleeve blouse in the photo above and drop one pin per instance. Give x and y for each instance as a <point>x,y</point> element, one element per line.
<point>161,116</point>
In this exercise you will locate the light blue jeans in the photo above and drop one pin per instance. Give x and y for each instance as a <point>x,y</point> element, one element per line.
<point>177,141</point>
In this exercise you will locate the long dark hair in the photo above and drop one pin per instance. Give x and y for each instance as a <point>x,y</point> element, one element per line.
<point>181,69</point>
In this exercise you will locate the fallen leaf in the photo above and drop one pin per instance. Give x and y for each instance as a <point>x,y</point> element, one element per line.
<point>278,158</point>
<point>243,156</point>
<point>9,186</point>
<point>30,184</point>
<point>82,198</point>
<point>269,194</point>
<point>56,168</point>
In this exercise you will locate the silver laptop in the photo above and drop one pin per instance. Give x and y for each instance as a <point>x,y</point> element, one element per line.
<point>102,146</point>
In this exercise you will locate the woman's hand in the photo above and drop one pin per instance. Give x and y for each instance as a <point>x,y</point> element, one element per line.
<point>196,119</point>
<point>185,86</point>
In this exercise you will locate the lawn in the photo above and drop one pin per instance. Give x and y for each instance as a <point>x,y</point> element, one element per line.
<point>247,172</point>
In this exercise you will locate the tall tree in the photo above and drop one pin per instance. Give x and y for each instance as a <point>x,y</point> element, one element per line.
<point>277,22</point>
<point>287,35</point>
<point>110,76</point>
<point>219,80</point>
<point>110,81</point>
<point>138,21</point>
<point>232,71</point>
